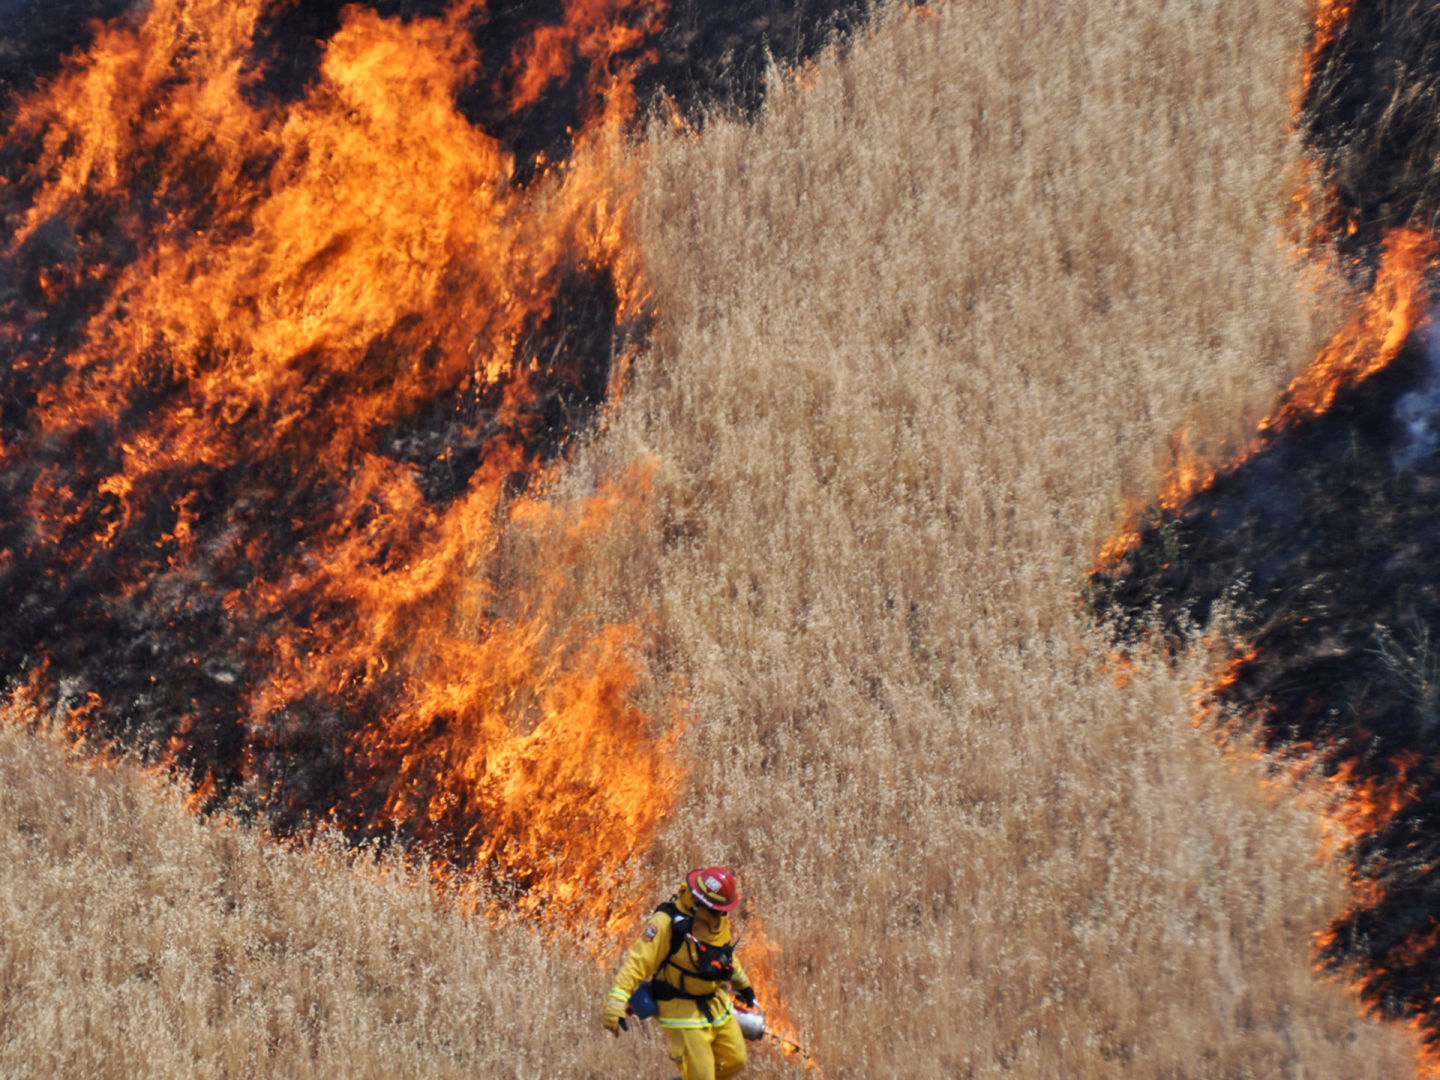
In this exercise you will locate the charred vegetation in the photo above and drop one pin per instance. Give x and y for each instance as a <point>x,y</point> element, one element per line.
<point>1319,546</point>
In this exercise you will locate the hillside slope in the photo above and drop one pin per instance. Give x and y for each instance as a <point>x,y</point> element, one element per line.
<point>923,329</point>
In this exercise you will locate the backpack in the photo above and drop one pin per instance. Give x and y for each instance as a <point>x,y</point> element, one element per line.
<point>715,963</point>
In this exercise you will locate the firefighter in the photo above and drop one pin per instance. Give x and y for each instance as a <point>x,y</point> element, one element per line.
<point>686,951</point>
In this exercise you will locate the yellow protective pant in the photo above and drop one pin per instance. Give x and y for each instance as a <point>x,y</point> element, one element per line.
<point>708,1053</point>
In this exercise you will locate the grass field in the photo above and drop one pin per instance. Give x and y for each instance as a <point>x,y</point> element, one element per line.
<point>925,330</point>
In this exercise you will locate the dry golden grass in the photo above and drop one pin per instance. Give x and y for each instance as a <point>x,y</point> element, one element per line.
<point>924,328</point>
<point>137,941</point>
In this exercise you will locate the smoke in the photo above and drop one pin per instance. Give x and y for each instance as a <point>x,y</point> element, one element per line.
<point>1418,412</point>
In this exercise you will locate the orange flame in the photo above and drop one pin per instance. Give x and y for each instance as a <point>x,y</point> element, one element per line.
<point>1329,18</point>
<point>1392,309</point>
<point>780,1030</point>
<point>306,277</point>
<point>1361,806</point>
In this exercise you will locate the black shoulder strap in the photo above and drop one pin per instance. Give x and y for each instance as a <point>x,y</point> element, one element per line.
<point>680,924</point>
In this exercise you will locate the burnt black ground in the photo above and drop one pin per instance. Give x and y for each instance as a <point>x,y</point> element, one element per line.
<point>1327,540</point>
<point>1372,120</point>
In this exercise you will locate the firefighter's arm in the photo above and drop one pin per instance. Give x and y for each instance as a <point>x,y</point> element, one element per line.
<point>639,964</point>
<point>741,984</point>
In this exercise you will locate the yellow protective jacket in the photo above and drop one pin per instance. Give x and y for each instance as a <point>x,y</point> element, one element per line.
<point>646,959</point>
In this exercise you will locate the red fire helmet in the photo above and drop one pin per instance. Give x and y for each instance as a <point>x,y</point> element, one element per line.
<point>714,887</point>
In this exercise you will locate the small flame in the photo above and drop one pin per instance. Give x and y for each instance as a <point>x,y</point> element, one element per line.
<point>780,1030</point>
<point>1329,18</point>
<point>1360,806</point>
<point>1393,308</point>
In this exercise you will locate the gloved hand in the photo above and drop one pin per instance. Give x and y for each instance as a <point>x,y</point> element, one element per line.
<point>614,1018</point>
<point>747,995</point>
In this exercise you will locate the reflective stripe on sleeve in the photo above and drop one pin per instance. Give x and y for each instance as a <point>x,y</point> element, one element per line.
<point>619,995</point>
